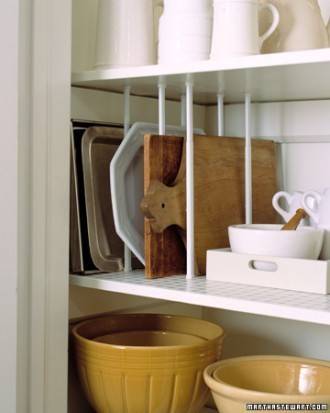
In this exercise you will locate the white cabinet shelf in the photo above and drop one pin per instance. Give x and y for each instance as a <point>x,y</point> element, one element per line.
<point>274,77</point>
<point>228,296</point>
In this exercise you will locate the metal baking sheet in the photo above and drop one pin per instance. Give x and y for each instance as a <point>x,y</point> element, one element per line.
<point>81,261</point>
<point>76,249</point>
<point>99,145</point>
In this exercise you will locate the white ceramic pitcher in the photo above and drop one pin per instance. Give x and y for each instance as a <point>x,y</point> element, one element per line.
<point>301,27</point>
<point>185,30</point>
<point>320,213</point>
<point>325,10</point>
<point>126,33</point>
<point>236,27</point>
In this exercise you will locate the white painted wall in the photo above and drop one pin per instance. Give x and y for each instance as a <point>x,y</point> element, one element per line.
<point>85,302</point>
<point>305,165</point>
<point>83,33</point>
<point>248,334</point>
<point>9,19</point>
<point>108,107</point>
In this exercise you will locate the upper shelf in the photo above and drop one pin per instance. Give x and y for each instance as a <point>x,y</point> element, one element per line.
<point>302,75</point>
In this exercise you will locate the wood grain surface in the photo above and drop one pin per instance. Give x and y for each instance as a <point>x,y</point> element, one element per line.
<point>219,196</point>
<point>164,252</point>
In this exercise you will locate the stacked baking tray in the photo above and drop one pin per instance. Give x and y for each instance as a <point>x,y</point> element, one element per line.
<point>94,244</point>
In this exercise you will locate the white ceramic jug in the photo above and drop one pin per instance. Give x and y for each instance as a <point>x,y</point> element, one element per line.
<point>325,10</point>
<point>293,201</point>
<point>236,27</point>
<point>185,30</point>
<point>301,27</point>
<point>126,33</point>
<point>320,213</point>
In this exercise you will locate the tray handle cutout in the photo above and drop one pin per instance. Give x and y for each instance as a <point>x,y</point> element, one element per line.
<point>267,266</point>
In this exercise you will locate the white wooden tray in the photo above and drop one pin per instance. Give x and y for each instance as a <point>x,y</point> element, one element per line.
<point>285,273</point>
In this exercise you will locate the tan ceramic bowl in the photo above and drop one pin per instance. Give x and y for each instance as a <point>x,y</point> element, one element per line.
<point>235,383</point>
<point>138,363</point>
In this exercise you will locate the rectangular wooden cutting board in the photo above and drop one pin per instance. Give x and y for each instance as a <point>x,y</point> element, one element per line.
<point>165,254</point>
<point>219,195</point>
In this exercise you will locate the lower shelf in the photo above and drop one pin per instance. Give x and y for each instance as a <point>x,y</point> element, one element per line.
<point>272,302</point>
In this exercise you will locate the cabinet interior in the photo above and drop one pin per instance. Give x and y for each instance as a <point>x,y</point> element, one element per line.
<point>304,130</point>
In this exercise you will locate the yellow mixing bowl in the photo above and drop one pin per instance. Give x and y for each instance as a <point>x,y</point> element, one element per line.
<point>237,384</point>
<point>140,363</point>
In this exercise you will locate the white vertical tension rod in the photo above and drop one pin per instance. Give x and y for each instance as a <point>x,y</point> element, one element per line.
<point>183,110</point>
<point>127,120</point>
<point>190,181</point>
<point>161,108</point>
<point>248,161</point>
<point>220,114</point>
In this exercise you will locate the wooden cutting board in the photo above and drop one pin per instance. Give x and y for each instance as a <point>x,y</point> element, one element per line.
<point>219,196</point>
<point>165,253</point>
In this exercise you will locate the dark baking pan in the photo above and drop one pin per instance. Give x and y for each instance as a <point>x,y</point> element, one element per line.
<point>99,145</point>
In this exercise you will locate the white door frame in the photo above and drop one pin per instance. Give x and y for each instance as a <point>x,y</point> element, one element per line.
<point>8,204</point>
<point>43,207</point>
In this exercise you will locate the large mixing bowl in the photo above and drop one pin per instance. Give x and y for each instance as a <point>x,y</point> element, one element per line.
<point>238,383</point>
<point>138,363</point>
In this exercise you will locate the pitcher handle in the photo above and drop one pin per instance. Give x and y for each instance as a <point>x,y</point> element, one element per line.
<point>158,11</point>
<point>276,204</point>
<point>276,21</point>
<point>314,213</point>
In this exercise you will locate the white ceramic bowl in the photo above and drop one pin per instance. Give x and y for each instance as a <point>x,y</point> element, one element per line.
<point>269,240</point>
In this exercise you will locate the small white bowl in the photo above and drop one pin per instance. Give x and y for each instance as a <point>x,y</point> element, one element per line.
<point>269,240</point>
